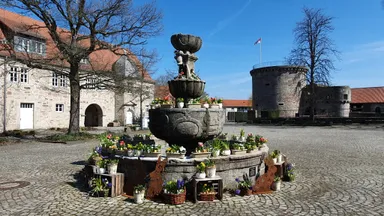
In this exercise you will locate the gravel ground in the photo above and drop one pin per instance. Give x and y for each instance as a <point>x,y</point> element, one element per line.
<point>340,171</point>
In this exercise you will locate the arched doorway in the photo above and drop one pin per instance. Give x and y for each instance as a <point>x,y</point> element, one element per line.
<point>93,116</point>
<point>129,117</point>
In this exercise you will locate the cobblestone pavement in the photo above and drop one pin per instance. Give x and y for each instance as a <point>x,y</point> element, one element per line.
<point>340,171</point>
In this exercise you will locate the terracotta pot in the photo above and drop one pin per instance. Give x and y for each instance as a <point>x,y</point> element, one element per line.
<point>207,197</point>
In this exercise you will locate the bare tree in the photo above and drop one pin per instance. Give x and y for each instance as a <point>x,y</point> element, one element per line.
<point>162,80</point>
<point>314,50</point>
<point>90,26</point>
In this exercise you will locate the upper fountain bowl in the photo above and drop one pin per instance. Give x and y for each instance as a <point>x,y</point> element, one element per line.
<point>186,42</point>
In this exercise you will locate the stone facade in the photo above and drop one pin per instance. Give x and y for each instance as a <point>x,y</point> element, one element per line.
<point>101,106</point>
<point>331,101</point>
<point>276,90</point>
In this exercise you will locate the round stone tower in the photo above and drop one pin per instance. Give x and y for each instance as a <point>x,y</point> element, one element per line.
<point>276,90</point>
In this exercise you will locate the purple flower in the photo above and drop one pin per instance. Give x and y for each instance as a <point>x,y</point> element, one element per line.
<point>104,180</point>
<point>289,166</point>
<point>237,180</point>
<point>104,157</point>
<point>250,187</point>
<point>98,149</point>
<point>237,191</point>
<point>109,185</point>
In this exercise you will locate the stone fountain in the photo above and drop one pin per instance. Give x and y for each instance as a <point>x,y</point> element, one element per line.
<point>186,126</point>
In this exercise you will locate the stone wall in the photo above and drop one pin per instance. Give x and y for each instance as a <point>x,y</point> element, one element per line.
<point>277,90</point>
<point>332,101</point>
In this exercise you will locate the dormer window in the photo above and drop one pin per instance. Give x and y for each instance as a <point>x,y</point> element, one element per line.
<point>84,61</point>
<point>30,45</point>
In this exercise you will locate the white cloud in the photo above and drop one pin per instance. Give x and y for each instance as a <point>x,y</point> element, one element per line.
<point>363,52</point>
<point>224,23</point>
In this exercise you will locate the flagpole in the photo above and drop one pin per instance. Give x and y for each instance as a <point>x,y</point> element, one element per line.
<point>260,52</point>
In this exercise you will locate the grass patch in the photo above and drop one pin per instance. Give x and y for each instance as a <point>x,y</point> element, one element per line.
<point>70,137</point>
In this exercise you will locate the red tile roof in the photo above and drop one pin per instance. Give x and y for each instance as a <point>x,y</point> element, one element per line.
<point>102,60</point>
<point>237,103</point>
<point>162,91</point>
<point>368,95</point>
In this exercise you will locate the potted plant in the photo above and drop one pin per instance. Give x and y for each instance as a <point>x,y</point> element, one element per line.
<point>138,151</point>
<point>234,137</point>
<point>216,147</point>
<point>95,155</point>
<point>289,174</point>
<point>213,103</point>
<point>206,103</point>
<point>220,103</point>
<point>148,136</point>
<point>180,102</point>
<point>250,147</point>
<point>242,135</point>
<point>152,150</point>
<point>210,168</point>
<point>174,192</point>
<point>260,140</point>
<point>207,193</point>
<point>244,187</point>
<point>225,149</point>
<point>238,149</point>
<point>175,151</point>
<point>121,148</point>
<point>274,154</point>
<point>130,150</point>
<point>200,174</point>
<point>194,103</point>
<point>100,187</point>
<point>138,137</point>
<point>250,138</point>
<point>276,184</point>
<point>201,151</point>
<point>279,156</point>
<point>166,102</point>
<point>101,166</point>
<point>112,166</point>
<point>138,194</point>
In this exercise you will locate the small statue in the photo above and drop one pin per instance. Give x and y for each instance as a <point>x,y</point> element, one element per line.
<point>182,59</point>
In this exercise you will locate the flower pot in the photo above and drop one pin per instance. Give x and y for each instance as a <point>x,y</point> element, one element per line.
<point>138,153</point>
<point>194,106</point>
<point>180,104</point>
<point>205,105</point>
<point>220,105</point>
<point>242,139</point>
<point>101,170</point>
<point>112,168</point>
<point>274,160</point>
<point>153,154</point>
<point>120,152</point>
<point>130,153</point>
<point>238,152</point>
<point>200,154</point>
<point>166,105</point>
<point>216,153</point>
<point>226,152</point>
<point>279,158</point>
<point>276,185</point>
<point>201,175</point>
<point>207,196</point>
<point>211,171</point>
<point>174,199</point>
<point>214,106</point>
<point>138,197</point>
<point>175,155</point>
<point>245,192</point>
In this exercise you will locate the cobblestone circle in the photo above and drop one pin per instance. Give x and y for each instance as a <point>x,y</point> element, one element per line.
<point>340,171</point>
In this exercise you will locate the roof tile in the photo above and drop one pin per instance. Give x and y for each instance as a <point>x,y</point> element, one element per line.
<point>368,95</point>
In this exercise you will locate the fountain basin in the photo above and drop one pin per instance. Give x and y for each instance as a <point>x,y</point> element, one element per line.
<point>186,42</point>
<point>186,126</point>
<point>186,88</point>
<point>227,167</point>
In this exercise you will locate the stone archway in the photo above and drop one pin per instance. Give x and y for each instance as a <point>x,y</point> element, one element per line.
<point>93,116</point>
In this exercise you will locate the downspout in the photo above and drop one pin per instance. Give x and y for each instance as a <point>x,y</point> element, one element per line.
<point>5,97</point>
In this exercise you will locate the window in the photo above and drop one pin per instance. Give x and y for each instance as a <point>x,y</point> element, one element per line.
<point>3,41</point>
<point>17,74</point>
<point>281,104</point>
<point>29,45</point>
<point>23,75</point>
<point>90,83</point>
<point>345,96</point>
<point>59,80</point>
<point>84,61</point>
<point>59,107</point>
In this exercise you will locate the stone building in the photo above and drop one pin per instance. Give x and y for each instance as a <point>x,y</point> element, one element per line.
<point>39,98</point>
<point>276,90</point>
<point>367,101</point>
<point>331,101</point>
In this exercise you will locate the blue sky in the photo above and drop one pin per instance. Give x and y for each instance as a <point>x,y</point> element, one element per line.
<point>229,29</point>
